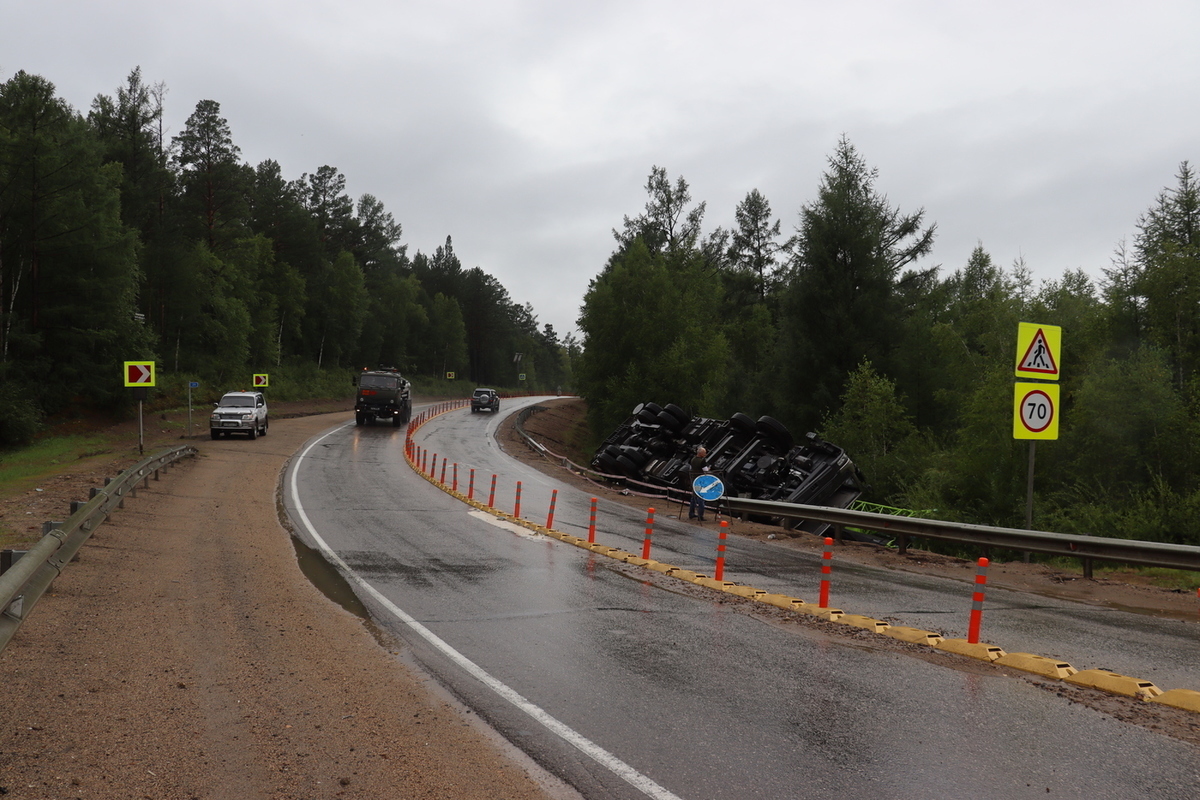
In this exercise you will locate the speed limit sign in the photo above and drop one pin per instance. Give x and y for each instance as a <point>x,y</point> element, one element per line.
<point>1035,411</point>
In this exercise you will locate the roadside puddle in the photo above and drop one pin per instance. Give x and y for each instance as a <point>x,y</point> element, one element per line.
<point>327,579</point>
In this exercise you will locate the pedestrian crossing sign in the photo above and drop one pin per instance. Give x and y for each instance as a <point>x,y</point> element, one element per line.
<point>1038,351</point>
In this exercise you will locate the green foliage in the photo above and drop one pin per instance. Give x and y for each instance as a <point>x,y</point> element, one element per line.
<point>877,432</point>
<point>647,332</point>
<point>20,417</point>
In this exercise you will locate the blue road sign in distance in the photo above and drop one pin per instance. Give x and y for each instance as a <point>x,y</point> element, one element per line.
<point>708,487</point>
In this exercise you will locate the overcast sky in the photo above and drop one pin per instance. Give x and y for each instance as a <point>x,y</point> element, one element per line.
<point>525,130</point>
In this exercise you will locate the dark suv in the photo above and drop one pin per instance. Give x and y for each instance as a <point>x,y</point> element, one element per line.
<point>485,400</point>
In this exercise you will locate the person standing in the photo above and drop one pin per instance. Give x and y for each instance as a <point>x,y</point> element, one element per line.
<point>697,469</point>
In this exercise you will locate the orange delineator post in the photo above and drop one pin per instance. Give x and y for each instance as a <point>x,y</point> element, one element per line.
<point>471,486</point>
<point>826,570</point>
<point>550,515</point>
<point>977,602</point>
<point>719,573</point>
<point>592,524</point>
<point>517,507</point>
<point>454,486</point>
<point>492,493</point>
<point>442,479</point>
<point>433,467</point>
<point>649,533</point>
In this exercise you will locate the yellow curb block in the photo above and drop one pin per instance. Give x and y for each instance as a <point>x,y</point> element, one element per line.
<point>867,623</point>
<point>912,635</point>
<point>1115,683</point>
<point>783,601</point>
<point>1186,699</point>
<point>685,574</point>
<point>711,583</point>
<point>1039,665</point>
<point>658,566</point>
<point>814,610</point>
<point>980,650</point>
<point>748,592</point>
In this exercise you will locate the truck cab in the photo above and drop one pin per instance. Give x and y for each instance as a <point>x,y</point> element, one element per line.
<point>383,393</point>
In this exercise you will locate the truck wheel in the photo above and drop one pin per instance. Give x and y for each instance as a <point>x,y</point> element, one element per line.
<point>396,421</point>
<point>359,419</point>
<point>215,434</point>
<point>254,431</point>
<point>266,424</point>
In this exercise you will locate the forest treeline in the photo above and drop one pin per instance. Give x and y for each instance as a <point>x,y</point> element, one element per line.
<point>117,243</point>
<point>841,327</point>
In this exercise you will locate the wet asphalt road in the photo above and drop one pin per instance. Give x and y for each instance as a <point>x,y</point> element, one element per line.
<point>626,688</point>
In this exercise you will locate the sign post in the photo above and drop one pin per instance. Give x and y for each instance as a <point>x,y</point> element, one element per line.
<point>139,375</point>
<point>1035,405</point>
<point>191,385</point>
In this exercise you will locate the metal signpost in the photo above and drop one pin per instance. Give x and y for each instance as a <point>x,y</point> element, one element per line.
<point>191,385</point>
<point>1035,405</point>
<point>139,375</point>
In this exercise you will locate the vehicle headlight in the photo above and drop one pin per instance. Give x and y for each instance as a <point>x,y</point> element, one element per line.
<point>215,417</point>
<point>247,416</point>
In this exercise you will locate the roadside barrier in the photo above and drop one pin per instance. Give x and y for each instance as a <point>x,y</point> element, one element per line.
<point>649,533</point>
<point>826,570</point>
<point>27,580</point>
<point>1053,669</point>
<point>592,524</point>
<point>719,568</point>
<point>977,601</point>
<point>550,514</point>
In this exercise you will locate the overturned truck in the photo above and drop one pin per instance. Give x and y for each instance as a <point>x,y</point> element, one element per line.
<point>757,459</point>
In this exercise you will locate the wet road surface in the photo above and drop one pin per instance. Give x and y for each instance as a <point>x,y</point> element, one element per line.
<point>626,687</point>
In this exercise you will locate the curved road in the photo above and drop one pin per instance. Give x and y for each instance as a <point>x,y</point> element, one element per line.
<point>628,686</point>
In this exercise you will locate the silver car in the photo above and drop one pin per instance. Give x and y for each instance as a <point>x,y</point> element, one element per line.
<point>239,412</point>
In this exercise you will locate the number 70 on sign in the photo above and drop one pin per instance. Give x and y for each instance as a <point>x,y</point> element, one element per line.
<point>1035,411</point>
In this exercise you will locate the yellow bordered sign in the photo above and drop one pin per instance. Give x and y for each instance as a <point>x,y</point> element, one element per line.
<point>1039,348</point>
<point>1035,411</point>
<point>139,373</point>
<point>260,381</point>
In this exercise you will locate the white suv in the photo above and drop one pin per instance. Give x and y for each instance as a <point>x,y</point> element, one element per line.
<point>239,412</point>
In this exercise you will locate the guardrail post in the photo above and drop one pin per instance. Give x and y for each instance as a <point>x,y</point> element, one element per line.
<point>977,602</point>
<point>719,572</point>
<point>826,571</point>
<point>649,533</point>
<point>902,544</point>
<point>1087,568</point>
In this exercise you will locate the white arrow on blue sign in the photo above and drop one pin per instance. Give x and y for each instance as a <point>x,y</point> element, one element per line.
<point>708,487</point>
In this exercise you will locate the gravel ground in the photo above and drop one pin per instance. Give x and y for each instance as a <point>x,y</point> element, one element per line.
<point>184,655</point>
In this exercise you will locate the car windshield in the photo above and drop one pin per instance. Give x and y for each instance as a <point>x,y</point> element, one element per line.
<point>237,402</point>
<point>378,382</point>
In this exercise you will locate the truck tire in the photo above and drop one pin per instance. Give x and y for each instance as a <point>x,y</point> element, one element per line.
<point>359,419</point>
<point>254,431</point>
<point>396,421</point>
<point>215,434</point>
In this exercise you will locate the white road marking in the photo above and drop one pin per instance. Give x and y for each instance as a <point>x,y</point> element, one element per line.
<point>567,734</point>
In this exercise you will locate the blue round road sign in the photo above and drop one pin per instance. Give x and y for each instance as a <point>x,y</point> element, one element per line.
<point>708,487</point>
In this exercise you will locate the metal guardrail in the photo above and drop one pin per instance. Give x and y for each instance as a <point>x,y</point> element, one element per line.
<point>1128,551</point>
<point>1085,548</point>
<point>27,580</point>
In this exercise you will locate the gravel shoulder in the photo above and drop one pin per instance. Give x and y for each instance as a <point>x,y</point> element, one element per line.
<point>185,655</point>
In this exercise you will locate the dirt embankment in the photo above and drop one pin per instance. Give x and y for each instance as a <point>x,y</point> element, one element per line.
<point>184,655</point>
